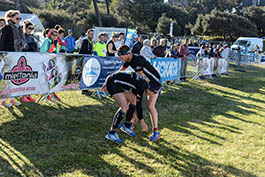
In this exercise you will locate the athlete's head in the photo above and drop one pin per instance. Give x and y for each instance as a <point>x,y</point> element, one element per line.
<point>125,53</point>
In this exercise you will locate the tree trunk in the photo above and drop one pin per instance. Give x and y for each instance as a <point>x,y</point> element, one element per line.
<point>17,4</point>
<point>97,13</point>
<point>107,5</point>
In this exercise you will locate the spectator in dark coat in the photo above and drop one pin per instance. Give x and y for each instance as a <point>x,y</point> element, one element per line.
<point>87,44</point>
<point>12,38</point>
<point>32,45</point>
<point>138,46</point>
<point>2,24</point>
<point>160,51</point>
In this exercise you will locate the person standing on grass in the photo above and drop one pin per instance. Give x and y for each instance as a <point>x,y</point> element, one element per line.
<point>49,45</point>
<point>70,40</point>
<point>87,48</point>
<point>144,68</point>
<point>12,39</point>
<point>32,47</point>
<point>183,53</point>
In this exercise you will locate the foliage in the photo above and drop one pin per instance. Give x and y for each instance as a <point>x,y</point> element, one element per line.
<point>224,24</point>
<point>163,26</point>
<point>257,16</point>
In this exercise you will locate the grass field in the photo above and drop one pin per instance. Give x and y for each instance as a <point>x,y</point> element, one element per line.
<point>209,128</point>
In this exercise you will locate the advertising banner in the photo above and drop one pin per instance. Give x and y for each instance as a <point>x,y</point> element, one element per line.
<point>222,66</point>
<point>130,37</point>
<point>169,68</point>
<point>38,73</point>
<point>96,69</point>
<point>208,66</point>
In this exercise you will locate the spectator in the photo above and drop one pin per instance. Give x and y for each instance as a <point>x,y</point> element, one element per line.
<point>146,51</point>
<point>154,43</point>
<point>183,53</point>
<point>2,24</point>
<point>120,42</point>
<point>160,51</point>
<point>61,42</point>
<point>138,45</point>
<point>12,38</point>
<point>32,45</point>
<point>70,40</point>
<point>79,42</point>
<point>45,32</point>
<point>201,52</point>
<point>111,48</point>
<point>87,48</point>
<point>49,44</point>
<point>106,38</point>
<point>87,44</point>
<point>57,27</point>
<point>173,53</point>
<point>100,48</point>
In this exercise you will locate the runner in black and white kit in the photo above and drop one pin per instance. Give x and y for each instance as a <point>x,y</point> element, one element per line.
<point>143,67</point>
<point>123,87</point>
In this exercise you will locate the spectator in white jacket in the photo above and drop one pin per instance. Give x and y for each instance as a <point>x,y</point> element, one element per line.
<point>146,50</point>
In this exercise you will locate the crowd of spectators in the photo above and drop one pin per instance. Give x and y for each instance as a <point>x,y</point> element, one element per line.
<point>14,37</point>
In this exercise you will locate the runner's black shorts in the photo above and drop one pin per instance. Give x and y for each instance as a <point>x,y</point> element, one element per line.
<point>113,88</point>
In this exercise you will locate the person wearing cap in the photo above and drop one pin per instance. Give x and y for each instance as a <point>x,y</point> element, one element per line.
<point>70,47</point>
<point>100,48</point>
<point>111,48</point>
<point>143,67</point>
<point>123,87</point>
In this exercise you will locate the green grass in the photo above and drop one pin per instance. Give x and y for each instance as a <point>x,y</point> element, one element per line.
<point>209,128</point>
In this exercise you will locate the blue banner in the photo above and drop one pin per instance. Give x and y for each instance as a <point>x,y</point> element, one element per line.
<point>169,68</point>
<point>96,69</point>
<point>130,37</point>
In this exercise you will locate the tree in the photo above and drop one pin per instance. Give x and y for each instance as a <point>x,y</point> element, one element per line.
<point>224,24</point>
<point>97,13</point>
<point>163,26</point>
<point>257,16</point>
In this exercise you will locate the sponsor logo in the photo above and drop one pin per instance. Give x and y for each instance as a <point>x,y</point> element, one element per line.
<point>91,72</point>
<point>21,73</point>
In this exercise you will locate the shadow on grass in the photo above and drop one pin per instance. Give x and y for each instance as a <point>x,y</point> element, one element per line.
<point>53,140</point>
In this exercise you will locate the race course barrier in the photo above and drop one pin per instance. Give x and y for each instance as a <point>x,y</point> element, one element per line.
<point>28,73</point>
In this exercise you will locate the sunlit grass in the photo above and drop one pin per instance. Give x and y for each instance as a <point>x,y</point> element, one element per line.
<point>209,128</point>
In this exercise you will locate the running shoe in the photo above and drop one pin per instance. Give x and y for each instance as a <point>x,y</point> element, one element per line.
<point>113,137</point>
<point>56,97</point>
<point>128,131</point>
<point>6,104</point>
<point>14,102</point>
<point>25,99</point>
<point>31,98</point>
<point>155,136</point>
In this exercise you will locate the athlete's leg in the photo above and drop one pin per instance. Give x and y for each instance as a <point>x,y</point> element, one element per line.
<point>131,98</point>
<point>122,102</point>
<point>152,110</point>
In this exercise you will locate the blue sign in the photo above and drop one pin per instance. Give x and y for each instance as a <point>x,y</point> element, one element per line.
<point>169,68</point>
<point>96,69</point>
<point>130,37</point>
<point>194,50</point>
